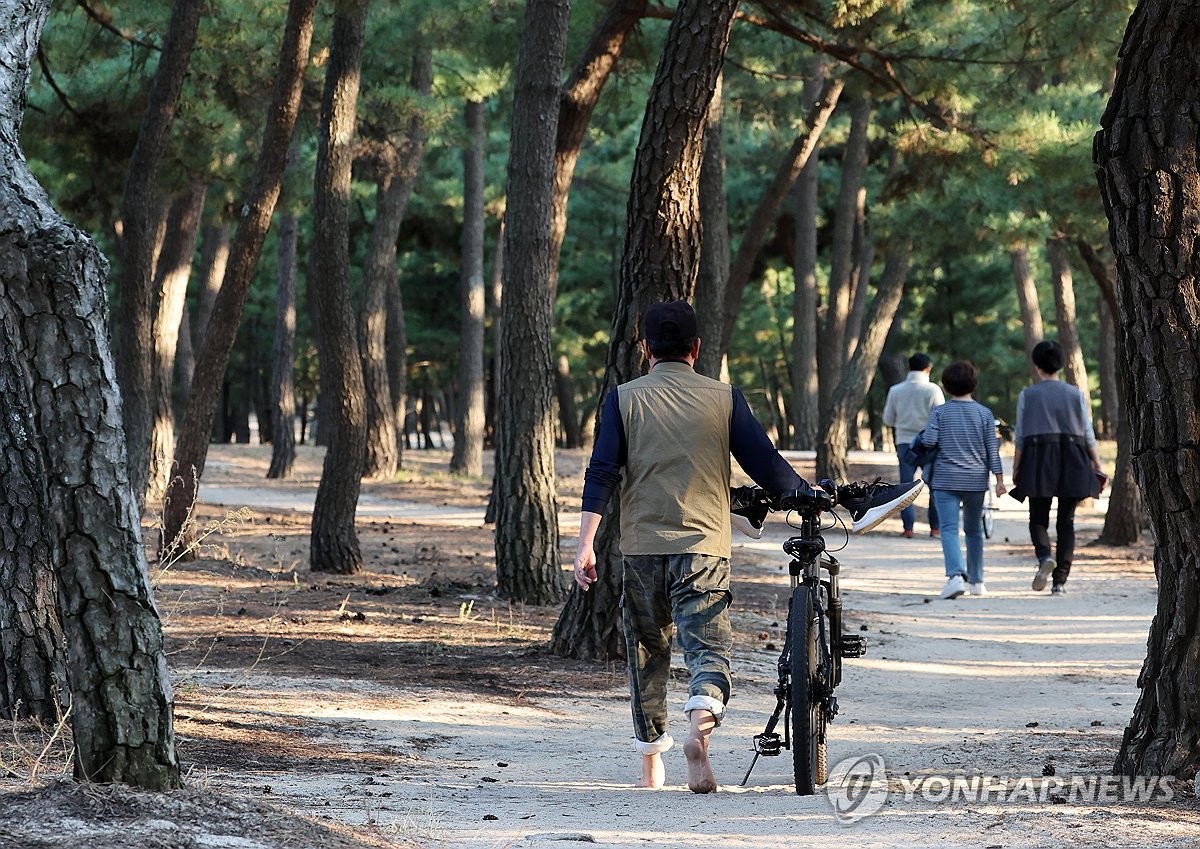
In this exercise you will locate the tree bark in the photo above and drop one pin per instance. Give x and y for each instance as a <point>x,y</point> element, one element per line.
<point>576,104</point>
<point>830,354</point>
<point>32,665</point>
<point>214,260</point>
<point>713,276</point>
<point>1106,419</point>
<point>1145,155</point>
<point>398,167</point>
<point>468,436</point>
<point>135,313</point>
<point>397,366</point>
<point>527,561</point>
<point>850,392</point>
<point>1126,514</point>
<point>805,400</point>
<point>283,392</point>
<point>54,309</point>
<point>660,261</point>
<point>1027,299</point>
<point>171,274</point>
<point>334,541</point>
<point>1064,310</point>
<point>220,332</point>
<point>772,199</point>
<point>568,412</point>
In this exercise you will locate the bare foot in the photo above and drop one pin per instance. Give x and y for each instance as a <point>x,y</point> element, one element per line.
<point>653,773</point>
<point>700,774</point>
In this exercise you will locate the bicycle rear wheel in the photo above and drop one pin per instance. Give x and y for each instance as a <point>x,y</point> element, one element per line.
<point>989,515</point>
<point>807,671</point>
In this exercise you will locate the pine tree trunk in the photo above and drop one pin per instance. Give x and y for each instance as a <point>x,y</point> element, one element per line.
<point>1150,185</point>
<point>171,274</point>
<point>660,261</point>
<point>527,559</point>
<point>283,393</point>
<point>1027,299</point>
<point>1064,309</point>
<point>1126,515</point>
<point>713,276</point>
<point>1106,420</point>
<point>848,396</point>
<point>469,421</point>
<point>398,166</point>
<point>805,400</point>
<point>32,665</point>
<point>334,540</point>
<point>135,314</point>
<point>577,102</point>
<point>765,212</point>
<point>397,367</point>
<point>185,360</point>
<point>214,259</point>
<point>831,352</point>
<point>220,331</point>
<point>568,412</point>
<point>56,334</point>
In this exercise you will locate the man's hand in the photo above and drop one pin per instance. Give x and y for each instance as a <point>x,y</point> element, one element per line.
<point>585,567</point>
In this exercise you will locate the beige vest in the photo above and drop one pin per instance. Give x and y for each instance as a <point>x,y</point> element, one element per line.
<point>675,492</point>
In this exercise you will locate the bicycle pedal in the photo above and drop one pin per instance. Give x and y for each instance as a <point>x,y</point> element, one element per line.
<point>853,645</point>
<point>768,745</point>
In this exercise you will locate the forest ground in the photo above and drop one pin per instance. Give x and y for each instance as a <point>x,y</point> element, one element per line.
<point>407,706</point>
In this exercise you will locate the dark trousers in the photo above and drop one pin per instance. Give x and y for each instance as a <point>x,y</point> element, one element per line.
<point>908,473</point>
<point>1064,526</point>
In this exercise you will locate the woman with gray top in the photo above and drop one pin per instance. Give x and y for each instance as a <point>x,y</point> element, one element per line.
<point>965,433</point>
<point>1055,458</point>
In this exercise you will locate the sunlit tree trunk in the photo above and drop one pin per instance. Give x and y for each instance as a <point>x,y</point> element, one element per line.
<point>468,437</point>
<point>852,389</point>
<point>135,315</point>
<point>171,275</point>
<point>1074,371</point>
<point>220,331</point>
<point>1149,180</point>
<point>660,261</point>
<point>1027,299</point>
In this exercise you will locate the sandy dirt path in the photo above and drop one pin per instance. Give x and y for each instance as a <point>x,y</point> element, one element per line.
<point>1017,685</point>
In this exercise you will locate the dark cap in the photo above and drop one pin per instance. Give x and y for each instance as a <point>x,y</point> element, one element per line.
<point>669,322</point>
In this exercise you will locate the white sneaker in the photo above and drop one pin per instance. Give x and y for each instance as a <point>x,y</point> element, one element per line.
<point>955,587</point>
<point>977,589</point>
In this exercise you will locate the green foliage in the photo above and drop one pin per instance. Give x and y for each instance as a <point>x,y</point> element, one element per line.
<point>980,141</point>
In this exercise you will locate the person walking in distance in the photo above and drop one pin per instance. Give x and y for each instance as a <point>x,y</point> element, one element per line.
<point>665,441</point>
<point>965,433</point>
<point>1056,457</point>
<point>905,412</point>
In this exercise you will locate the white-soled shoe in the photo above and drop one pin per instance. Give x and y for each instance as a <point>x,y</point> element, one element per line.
<point>955,587</point>
<point>977,589</point>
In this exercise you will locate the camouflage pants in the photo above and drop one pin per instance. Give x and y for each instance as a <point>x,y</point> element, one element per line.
<point>691,591</point>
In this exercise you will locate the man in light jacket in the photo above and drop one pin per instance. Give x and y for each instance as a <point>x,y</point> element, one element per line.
<point>906,412</point>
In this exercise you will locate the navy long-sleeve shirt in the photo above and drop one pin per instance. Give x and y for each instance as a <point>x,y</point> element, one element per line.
<point>748,443</point>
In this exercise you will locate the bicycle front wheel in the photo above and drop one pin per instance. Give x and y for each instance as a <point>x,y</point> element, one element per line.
<point>989,516</point>
<point>807,672</point>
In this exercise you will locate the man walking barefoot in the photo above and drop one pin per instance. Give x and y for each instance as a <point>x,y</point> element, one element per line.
<point>671,433</point>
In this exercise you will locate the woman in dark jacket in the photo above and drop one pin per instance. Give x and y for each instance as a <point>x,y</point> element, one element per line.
<point>1055,458</point>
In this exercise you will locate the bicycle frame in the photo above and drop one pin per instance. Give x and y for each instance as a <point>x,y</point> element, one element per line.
<point>809,560</point>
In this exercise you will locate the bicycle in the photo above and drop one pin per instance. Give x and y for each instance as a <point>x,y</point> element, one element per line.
<point>810,665</point>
